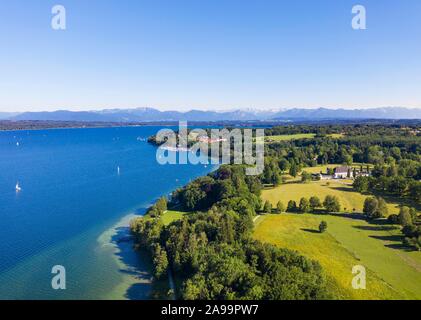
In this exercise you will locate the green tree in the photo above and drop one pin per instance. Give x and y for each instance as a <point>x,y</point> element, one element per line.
<point>160,261</point>
<point>415,190</point>
<point>271,172</point>
<point>370,207</point>
<point>284,165</point>
<point>332,204</point>
<point>292,206</point>
<point>280,207</point>
<point>304,205</point>
<point>413,214</point>
<point>322,226</point>
<point>154,212</point>
<point>398,185</point>
<point>315,203</point>
<point>293,170</point>
<point>305,177</point>
<point>267,207</point>
<point>405,218</point>
<point>361,184</point>
<point>382,209</point>
<point>161,204</point>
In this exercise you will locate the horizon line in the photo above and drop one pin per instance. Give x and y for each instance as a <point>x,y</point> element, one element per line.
<point>228,109</point>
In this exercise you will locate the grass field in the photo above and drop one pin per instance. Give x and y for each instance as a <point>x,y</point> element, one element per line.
<point>170,216</point>
<point>289,137</point>
<point>336,135</point>
<point>393,272</point>
<point>296,190</point>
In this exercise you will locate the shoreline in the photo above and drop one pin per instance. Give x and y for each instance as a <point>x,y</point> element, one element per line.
<point>133,269</point>
<point>170,282</point>
<point>136,276</point>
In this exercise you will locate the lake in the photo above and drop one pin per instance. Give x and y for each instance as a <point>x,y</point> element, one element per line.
<point>74,207</point>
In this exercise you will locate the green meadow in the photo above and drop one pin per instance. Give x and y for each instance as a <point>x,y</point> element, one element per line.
<point>290,137</point>
<point>171,215</point>
<point>393,272</point>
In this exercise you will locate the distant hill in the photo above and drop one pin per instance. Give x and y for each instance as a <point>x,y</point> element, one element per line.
<point>329,114</point>
<point>7,115</point>
<point>145,114</point>
<point>150,114</point>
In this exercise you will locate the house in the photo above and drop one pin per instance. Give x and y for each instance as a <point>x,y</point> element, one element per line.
<point>321,176</point>
<point>342,172</point>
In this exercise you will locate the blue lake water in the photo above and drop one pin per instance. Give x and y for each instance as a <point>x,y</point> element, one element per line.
<point>74,207</point>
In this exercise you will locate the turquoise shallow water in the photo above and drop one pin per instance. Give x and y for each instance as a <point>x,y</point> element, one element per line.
<point>74,207</point>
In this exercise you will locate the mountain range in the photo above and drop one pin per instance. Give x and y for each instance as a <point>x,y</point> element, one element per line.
<point>151,114</point>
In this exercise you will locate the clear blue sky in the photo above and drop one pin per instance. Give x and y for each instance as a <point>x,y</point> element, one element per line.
<point>209,54</point>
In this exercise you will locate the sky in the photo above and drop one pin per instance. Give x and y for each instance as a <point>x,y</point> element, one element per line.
<point>209,54</point>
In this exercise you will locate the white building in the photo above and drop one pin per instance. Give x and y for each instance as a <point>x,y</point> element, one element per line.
<point>342,173</point>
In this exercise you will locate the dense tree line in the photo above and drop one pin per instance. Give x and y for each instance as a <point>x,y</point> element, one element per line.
<point>373,144</point>
<point>331,204</point>
<point>411,226</point>
<point>378,130</point>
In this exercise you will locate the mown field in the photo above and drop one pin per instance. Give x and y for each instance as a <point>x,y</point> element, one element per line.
<point>392,271</point>
<point>171,215</point>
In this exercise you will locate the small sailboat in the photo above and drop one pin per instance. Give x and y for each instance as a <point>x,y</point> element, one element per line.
<point>17,144</point>
<point>118,170</point>
<point>18,188</point>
